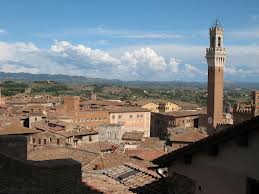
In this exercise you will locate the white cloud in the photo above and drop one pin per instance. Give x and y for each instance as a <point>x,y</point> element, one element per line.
<point>81,52</point>
<point>144,57</point>
<point>139,63</point>
<point>65,58</point>
<point>191,69</point>
<point>173,65</point>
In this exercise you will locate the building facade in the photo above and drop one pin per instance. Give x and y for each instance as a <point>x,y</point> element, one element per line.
<point>87,117</point>
<point>161,107</point>
<point>133,119</point>
<point>216,58</point>
<point>111,132</point>
<point>161,123</point>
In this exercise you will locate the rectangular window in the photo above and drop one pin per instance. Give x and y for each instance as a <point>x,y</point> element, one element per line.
<point>33,140</point>
<point>58,141</point>
<point>113,116</point>
<point>39,141</point>
<point>119,116</point>
<point>130,116</point>
<point>45,141</point>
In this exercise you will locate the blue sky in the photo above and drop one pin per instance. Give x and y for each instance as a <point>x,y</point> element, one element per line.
<point>129,40</point>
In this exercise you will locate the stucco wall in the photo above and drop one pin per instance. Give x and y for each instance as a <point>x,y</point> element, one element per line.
<point>133,121</point>
<point>225,173</point>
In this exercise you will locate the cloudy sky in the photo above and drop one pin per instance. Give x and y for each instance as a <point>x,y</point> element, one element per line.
<point>158,40</point>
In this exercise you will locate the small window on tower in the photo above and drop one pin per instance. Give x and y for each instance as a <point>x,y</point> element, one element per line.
<point>219,42</point>
<point>212,41</point>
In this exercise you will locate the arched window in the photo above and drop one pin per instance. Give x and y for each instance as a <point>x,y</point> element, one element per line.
<point>219,42</point>
<point>212,43</point>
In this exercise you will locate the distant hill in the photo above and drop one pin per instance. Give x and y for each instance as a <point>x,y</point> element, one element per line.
<point>67,79</point>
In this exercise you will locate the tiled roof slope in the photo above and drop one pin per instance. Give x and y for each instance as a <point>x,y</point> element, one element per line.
<point>138,180</point>
<point>188,136</point>
<point>225,135</point>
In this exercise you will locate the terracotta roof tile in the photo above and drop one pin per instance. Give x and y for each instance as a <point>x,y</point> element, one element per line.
<point>187,136</point>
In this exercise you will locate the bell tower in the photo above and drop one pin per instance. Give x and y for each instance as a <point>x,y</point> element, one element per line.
<point>216,57</point>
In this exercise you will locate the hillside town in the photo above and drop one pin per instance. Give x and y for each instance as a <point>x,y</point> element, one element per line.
<point>75,144</point>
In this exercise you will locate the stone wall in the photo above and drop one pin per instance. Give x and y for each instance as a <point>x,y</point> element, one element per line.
<point>112,133</point>
<point>47,139</point>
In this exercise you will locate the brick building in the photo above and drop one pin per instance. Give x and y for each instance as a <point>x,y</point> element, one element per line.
<point>161,122</point>
<point>84,115</point>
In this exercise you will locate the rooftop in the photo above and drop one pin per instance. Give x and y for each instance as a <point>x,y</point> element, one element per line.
<point>16,129</point>
<point>184,113</point>
<point>136,179</point>
<point>128,109</point>
<point>234,132</point>
<point>188,136</point>
<point>134,136</point>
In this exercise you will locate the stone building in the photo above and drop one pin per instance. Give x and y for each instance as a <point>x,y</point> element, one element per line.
<point>111,132</point>
<point>226,162</point>
<point>161,122</point>
<point>245,111</point>
<point>159,107</point>
<point>59,133</point>
<point>133,119</point>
